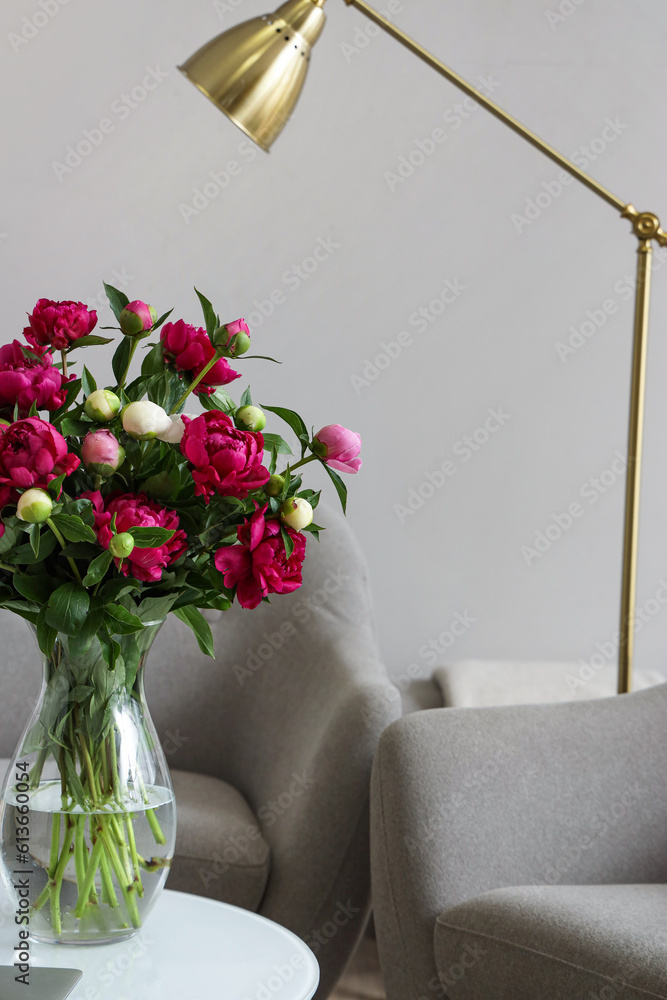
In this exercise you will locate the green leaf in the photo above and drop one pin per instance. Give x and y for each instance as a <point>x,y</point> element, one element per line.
<point>70,427</point>
<point>121,358</point>
<point>36,588</point>
<point>82,508</point>
<point>117,300</point>
<point>120,621</point>
<point>81,550</point>
<point>153,363</point>
<point>23,555</point>
<point>161,320</point>
<point>67,608</point>
<point>72,390</point>
<point>288,541</point>
<point>118,587</point>
<point>341,488</point>
<point>195,620</point>
<point>24,610</point>
<point>153,609</point>
<point>260,357</point>
<point>46,636</point>
<point>73,528</point>
<point>209,314</point>
<point>291,418</point>
<point>246,398</point>
<point>34,534</point>
<point>97,569</point>
<point>92,340</point>
<point>272,441</point>
<point>55,486</point>
<point>219,400</point>
<point>150,538</point>
<point>8,540</point>
<point>88,382</point>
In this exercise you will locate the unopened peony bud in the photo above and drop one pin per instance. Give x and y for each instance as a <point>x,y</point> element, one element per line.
<point>175,431</point>
<point>137,317</point>
<point>233,339</point>
<point>122,545</point>
<point>102,406</point>
<point>275,486</point>
<point>101,453</point>
<point>250,418</point>
<point>296,513</point>
<point>34,506</point>
<point>144,420</point>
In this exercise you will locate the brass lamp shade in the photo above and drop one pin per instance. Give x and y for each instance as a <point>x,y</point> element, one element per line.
<point>255,71</point>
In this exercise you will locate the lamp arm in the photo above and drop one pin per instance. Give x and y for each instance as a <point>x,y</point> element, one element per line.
<point>646,227</point>
<point>491,106</point>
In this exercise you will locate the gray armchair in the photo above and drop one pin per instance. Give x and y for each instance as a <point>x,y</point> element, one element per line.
<point>270,747</point>
<point>520,853</point>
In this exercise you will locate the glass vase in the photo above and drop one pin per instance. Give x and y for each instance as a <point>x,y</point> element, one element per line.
<point>87,811</point>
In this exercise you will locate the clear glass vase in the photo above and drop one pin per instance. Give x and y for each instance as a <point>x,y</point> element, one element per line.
<point>87,811</point>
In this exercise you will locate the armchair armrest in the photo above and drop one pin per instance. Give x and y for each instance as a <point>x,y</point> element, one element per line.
<point>469,800</point>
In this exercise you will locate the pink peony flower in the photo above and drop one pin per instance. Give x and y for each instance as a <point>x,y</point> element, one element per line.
<point>258,566</point>
<point>225,460</point>
<point>135,510</point>
<point>26,379</point>
<point>59,324</point>
<point>338,447</point>
<point>189,349</point>
<point>32,453</point>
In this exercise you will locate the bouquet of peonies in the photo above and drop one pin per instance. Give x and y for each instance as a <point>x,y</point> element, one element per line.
<point>117,510</point>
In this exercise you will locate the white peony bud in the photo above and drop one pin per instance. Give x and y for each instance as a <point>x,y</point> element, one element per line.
<point>296,513</point>
<point>144,420</point>
<point>176,429</point>
<point>34,506</point>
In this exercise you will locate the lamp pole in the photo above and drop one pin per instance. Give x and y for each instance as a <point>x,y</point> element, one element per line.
<point>646,228</point>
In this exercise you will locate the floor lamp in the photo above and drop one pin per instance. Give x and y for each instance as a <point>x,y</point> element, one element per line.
<point>254,73</point>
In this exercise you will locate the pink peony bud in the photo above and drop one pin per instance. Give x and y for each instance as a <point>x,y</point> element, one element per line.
<point>137,317</point>
<point>233,338</point>
<point>338,448</point>
<point>101,453</point>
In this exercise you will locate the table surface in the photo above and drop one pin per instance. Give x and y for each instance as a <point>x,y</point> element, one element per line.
<point>190,949</point>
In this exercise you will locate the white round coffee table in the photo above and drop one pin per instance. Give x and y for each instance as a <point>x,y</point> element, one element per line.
<point>190,949</point>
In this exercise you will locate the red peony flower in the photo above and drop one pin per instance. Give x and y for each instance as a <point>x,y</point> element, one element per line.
<point>32,453</point>
<point>225,460</point>
<point>259,566</point>
<point>338,447</point>
<point>189,349</point>
<point>135,510</point>
<point>59,324</point>
<point>28,379</point>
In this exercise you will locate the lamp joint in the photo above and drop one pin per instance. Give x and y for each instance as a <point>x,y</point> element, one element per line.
<point>645,225</point>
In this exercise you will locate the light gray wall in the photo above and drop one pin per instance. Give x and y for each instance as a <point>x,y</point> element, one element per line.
<point>457,221</point>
